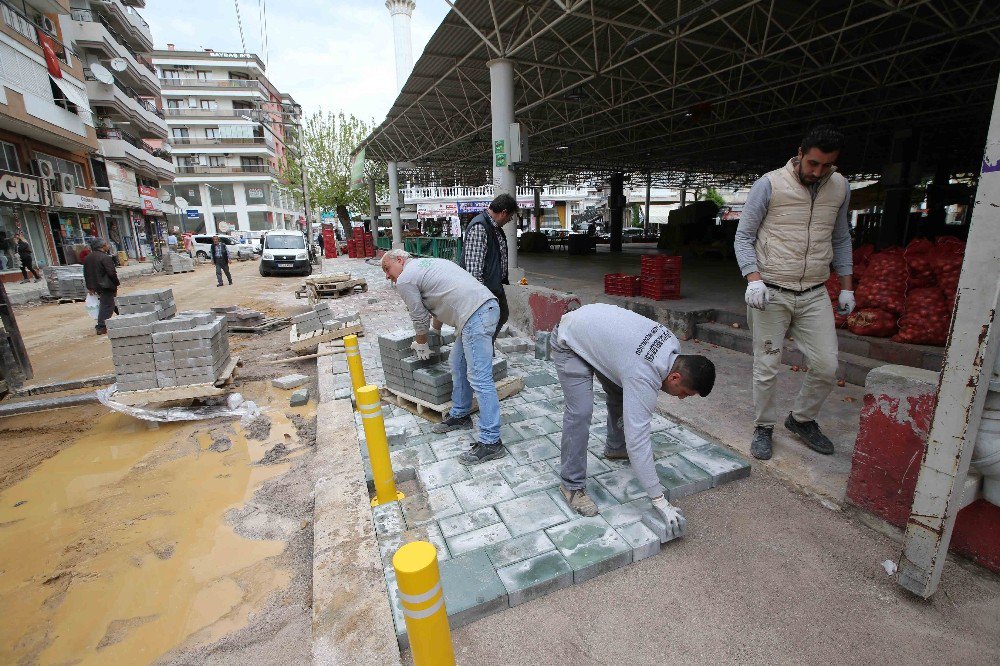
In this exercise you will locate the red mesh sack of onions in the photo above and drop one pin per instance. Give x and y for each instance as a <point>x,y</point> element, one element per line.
<point>926,319</point>
<point>884,285</point>
<point>873,322</point>
<point>920,263</point>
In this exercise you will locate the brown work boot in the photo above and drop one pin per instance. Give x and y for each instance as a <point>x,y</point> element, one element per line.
<point>615,454</point>
<point>579,501</point>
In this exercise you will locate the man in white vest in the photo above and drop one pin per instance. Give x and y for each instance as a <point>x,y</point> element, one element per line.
<point>793,226</point>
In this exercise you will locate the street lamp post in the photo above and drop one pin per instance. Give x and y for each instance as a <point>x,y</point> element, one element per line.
<point>222,198</point>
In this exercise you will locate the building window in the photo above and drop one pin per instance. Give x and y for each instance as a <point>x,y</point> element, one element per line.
<point>216,161</point>
<point>64,166</point>
<point>180,132</point>
<point>174,104</point>
<point>241,76</point>
<point>222,195</point>
<point>202,75</point>
<point>8,157</point>
<point>257,193</point>
<point>189,161</point>
<point>239,106</point>
<point>212,132</point>
<point>209,104</point>
<point>171,74</point>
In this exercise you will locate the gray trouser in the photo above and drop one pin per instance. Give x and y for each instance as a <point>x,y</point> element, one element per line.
<point>577,379</point>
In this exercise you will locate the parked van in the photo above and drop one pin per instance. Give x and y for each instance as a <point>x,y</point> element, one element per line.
<point>201,247</point>
<point>285,252</point>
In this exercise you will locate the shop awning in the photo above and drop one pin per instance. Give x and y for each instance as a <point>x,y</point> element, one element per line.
<point>72,93</point>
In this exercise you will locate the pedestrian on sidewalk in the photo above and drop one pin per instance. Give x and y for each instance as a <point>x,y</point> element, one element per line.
<point>172,241</point>
<point>793,226</point>
<point>27,259</point>
<point>101,278</point>
<point>220,257</point>
<point>484,250</point>
<point>442,290</point>
<point>634,359</point>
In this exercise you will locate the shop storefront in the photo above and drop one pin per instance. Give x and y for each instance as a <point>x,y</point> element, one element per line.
<point>21,200</point>
<point>73,218</point>
<point>125,201</point>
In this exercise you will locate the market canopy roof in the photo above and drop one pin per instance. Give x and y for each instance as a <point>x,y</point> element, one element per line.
<point>697,91</point>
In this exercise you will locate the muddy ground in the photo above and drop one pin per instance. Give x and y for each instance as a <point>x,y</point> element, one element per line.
<point>179,544</point>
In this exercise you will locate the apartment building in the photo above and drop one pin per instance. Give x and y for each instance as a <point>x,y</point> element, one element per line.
<point>133,164</point>
<point>227,134</point>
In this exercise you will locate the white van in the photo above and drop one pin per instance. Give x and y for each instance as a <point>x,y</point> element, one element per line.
<point>285,251</point>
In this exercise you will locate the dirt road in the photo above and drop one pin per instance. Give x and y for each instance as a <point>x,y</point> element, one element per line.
<point>121,543</point>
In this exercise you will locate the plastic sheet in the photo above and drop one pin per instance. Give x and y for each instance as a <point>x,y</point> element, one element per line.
<point>232,406</point>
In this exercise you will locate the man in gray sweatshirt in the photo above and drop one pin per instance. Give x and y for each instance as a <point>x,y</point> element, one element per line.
<point>443,291</point>
<point>634,358</point>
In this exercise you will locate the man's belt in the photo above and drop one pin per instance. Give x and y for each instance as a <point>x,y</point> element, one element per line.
<point>793,291</point>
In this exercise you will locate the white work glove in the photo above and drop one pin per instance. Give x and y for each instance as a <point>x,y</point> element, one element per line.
<point>757,296</point>
<point>672,516</point>
<point>847,303</point>
<point>421,349</point>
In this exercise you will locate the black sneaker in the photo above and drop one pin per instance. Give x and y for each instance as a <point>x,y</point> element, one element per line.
<point>482,453</point>
<point>452,423</point>
<point>760,447</point>
<point>810,434</point>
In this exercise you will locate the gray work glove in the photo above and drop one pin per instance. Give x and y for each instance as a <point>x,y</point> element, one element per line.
<point>672,516</point>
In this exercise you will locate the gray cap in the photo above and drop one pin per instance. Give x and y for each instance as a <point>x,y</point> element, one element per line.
<point>96,243</point>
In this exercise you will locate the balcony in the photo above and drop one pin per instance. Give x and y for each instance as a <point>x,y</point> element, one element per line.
<point>486,193</point>
<point>218,141</point>
<point>22,25</point>
<point>95,34</point>
<point>210,113</point>
<point>120,146</point>
<point>127,21</point>
<point>247,146</point>
<point>124,104</point>
<point>251,169</point>
<point>236,84</point>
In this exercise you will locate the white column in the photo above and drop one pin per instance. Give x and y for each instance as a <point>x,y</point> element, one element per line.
<point>504,180</point>
<point>394,206</point>
<point>401,12</point>
<point>962,388</point>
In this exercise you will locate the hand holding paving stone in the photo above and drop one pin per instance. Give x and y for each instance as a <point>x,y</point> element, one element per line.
<point>675,521</point>
<point>422,350</point>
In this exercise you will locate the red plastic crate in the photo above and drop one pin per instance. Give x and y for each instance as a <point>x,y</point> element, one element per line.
<point>660,290</point>
<point>621,284</point>
<point>651,263</point>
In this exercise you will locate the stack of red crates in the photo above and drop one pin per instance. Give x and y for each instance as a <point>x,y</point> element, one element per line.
<point>660,277</point>
<point>621,284</point>
<point>361,245</point>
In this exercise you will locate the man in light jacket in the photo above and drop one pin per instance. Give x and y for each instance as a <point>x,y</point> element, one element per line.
<point>441,290</point>
<point>793,226</point>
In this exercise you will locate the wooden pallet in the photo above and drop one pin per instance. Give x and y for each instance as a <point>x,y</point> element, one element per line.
<point>269,324</point>
<point>222,386</point>
<point>506,387</point>
<point>71,300</point>
<point>308,343</point>
<point>331,289</point>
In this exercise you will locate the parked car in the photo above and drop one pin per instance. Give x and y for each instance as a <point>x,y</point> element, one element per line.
<point>285,252</point>
<point>201,247</point>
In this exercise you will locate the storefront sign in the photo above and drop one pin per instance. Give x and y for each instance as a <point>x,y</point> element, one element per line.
<point>151,204</point>
<point>431,211</point>
<point>123,185</point>
<point>62,200</point>
<point>479,206</point>
<point>20,188</point>
<point>255,192</point>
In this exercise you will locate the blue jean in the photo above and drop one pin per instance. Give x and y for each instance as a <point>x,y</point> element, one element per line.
<point>472,371</point>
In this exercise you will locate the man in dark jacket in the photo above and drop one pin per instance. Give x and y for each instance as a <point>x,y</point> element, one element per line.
<point>220,257</point>
<point>101,279</point>
<point>27,263</point>
<point>484,250</point>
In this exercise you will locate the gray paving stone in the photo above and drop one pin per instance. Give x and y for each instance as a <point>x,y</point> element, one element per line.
<point>641,539</point>
<point>411,457</point>
<point>665,444</point>
<point>590,546</point>
<point>533,450</point>
<point>540,379</point>
<point>622,484</point>
<point>535,428</point>
<point>388,519</point>
<point>442,473</point>
<point>491,466</point>
<point>628,513</point>
<point>544,481</point>
<point>433,505</point>
<point>519,548</point>
<point>521,473</point>
<point>722,464</point>
<point>478,539</point>
<point>452,445</point>
<point>530,513</point>
<point>389,544</point>
<point>535,577</point>
<point>467,522</point>
<point>654,521</point>
<point>472,588</point>
<point>299,398</point>
<point>680,477</point>
<point>693,440</point>
<point>484,491</point>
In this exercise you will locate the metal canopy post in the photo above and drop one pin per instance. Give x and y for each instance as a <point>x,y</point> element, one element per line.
<point>394,207</point>
<point>504,180</point>
<point>538,209</point>
<point>616,205</point>
<point>965,378</point>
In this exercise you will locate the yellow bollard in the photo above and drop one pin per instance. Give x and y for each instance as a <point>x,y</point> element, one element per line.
<point>370,406</point>
<point>354,363</point>
<point>422,599</point>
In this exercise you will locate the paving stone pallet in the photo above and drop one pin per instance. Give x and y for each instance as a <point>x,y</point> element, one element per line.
<point>435,413</point>
<point>321,325</point>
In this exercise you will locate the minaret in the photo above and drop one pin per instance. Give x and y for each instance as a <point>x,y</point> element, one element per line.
<point>401,12</point>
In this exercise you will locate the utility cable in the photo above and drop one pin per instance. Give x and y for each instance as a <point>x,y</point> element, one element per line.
<point>239,22</point>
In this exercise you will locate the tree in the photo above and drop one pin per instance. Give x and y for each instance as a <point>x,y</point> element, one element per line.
<point>712,194</point>
<point>328,141</point>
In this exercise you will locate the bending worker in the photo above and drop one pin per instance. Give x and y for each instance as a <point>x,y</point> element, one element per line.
<point>443,290</point>
<point>634,358</point>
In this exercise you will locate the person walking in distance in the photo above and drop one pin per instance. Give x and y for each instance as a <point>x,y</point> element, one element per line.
<point>220,257</point>
<point>101,278</point>
<point>27,259</point>
<point>793,226</point>
<point>484,250</point>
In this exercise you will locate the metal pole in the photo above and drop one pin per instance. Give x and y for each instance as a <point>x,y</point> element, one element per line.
<point>504,180</point>
<point>649,185</point>
<point>370,407</point>
<point>373,206</point>
<point>422,604</point>
<point>965,380</point>
<point>394,206</point>
<point>538,209</point>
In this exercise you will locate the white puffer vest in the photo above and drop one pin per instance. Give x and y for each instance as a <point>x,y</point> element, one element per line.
<point>794,242</point>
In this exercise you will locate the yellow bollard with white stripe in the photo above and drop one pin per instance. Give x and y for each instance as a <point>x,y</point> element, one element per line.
<point>422,601</point>
<point>370,406</point>
<point>354,363</point>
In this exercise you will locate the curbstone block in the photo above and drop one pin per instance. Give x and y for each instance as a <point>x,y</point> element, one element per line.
<point>299,398</point>
<point>290,381</point>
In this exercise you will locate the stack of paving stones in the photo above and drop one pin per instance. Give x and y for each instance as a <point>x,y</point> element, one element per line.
<point>503,533</point>
<point>429,379</point>
<point>322,319</point>
<point>175,262</point>
<point>239,316</point>
<point>66,282</point>
<point>152,348</point>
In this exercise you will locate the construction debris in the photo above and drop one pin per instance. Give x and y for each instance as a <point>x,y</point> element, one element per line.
<point>337,285</point>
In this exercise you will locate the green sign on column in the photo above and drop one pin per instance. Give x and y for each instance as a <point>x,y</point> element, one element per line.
<point>500,153</point>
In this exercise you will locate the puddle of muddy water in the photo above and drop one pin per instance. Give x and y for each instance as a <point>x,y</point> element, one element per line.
<point>116,550</point>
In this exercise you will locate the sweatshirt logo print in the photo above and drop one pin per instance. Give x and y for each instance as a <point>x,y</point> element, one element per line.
<point>652,343</point>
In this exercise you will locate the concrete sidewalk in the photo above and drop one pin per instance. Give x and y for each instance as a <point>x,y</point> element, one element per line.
<point>20,294</point>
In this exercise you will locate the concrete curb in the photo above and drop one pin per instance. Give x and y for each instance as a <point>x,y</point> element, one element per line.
<point>352,619</point>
